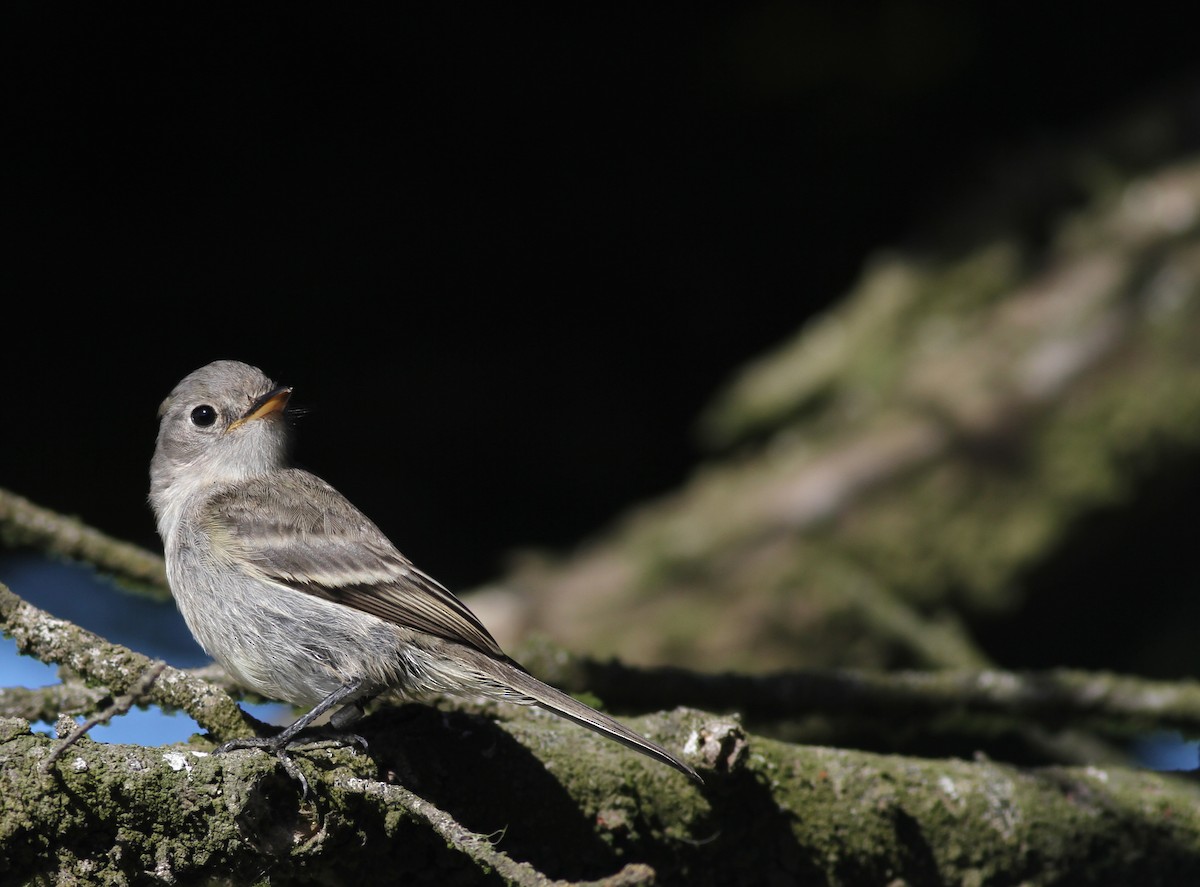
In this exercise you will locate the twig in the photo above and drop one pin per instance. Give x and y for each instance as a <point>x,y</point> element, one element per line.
<point>119,707</point>
<point>480,849</point>
<point>1060,696</point>
<point>46,703</point>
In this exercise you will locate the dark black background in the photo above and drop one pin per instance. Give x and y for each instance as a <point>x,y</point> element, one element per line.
<point>505,256</point>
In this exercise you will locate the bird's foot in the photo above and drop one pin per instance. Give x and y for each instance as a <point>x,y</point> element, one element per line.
<point>281,746</point>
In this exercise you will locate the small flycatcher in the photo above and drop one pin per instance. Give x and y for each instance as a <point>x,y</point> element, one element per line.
<point>295,592</point>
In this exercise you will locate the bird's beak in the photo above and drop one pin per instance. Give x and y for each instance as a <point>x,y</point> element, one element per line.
<point>271,402</point>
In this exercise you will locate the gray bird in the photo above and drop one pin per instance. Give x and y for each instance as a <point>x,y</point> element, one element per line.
<point>295,592</point>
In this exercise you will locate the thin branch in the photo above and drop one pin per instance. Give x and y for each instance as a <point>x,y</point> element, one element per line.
<point>47,703</point>
<point>22,523</point>
<point>480,849</point>
<point>1060,696</point>
<point>119,707</point>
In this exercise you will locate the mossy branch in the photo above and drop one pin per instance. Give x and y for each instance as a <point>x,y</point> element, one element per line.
<point>559,804</point>
<point>526,800</point>
<point>119,669</point>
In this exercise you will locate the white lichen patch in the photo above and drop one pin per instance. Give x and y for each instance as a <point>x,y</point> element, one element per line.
<point>177,761</point>
<point>946,784</point>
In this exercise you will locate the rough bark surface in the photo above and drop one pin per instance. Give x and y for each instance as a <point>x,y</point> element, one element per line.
<point>519,801</point>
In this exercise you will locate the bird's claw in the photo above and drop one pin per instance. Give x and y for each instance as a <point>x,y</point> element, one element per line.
<point>280,749</point>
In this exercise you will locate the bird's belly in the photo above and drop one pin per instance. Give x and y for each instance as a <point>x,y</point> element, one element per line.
<point>285,644</point>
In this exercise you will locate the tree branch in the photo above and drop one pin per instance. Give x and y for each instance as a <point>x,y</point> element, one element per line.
<point>118,668</point>
<point>24,524</point>
<point>1115,703</point>
<point>562,805</point>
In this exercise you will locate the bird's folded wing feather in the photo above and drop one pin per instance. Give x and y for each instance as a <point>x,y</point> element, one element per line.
<point>326,547</point>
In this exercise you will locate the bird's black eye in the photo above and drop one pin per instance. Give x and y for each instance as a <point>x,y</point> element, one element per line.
<point>203,416</point>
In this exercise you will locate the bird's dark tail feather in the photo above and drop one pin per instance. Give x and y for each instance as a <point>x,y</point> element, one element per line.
<point>564,706</point>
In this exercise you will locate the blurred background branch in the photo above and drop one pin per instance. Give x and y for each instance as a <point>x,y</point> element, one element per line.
<point>26,525</point>
<point>912,479</point>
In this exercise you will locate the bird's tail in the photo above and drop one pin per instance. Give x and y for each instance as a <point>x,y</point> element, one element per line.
<point>534,692</point>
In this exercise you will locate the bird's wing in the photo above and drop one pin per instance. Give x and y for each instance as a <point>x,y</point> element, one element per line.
<point>313,540</point>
